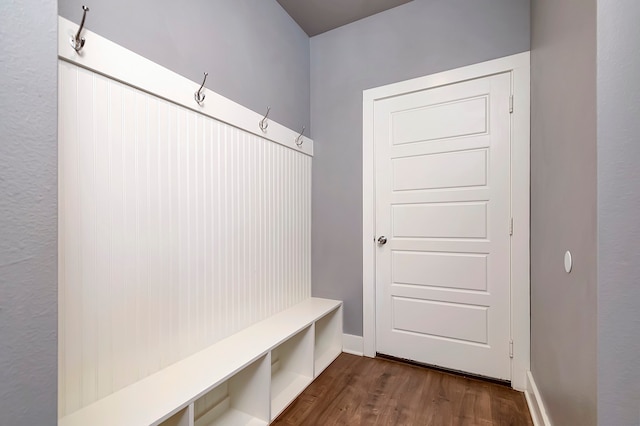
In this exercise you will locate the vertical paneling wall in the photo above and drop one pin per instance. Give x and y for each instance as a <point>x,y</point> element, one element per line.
<point>175,231</point>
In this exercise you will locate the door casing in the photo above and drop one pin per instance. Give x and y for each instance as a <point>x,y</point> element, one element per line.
<point>519,67</point>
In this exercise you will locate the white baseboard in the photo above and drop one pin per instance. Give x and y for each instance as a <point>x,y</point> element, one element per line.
<point>353,345</point>
<point>536,406</point>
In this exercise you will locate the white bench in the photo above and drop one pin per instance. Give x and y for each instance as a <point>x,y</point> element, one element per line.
<point>248,378</point>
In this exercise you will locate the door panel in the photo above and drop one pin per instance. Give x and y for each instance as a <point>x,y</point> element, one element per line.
<point>440,171</point>
<point>439,319</point>
<point>431,123</point>
<point>439,220</point>
<point>465,271</point>
<point>442,159</point>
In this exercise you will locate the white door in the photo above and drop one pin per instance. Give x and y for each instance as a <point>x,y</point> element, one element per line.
<point>442,159</point>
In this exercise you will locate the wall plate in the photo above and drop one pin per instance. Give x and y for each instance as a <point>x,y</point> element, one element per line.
<point>568,262</point>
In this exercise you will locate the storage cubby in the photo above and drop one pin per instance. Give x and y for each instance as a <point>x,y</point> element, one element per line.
<point>328,340</point>
<point>183,417</point>
<point>243,400</point>
<point>291,369</point>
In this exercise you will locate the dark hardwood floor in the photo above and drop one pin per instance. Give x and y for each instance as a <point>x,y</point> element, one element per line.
<point>364,391</point>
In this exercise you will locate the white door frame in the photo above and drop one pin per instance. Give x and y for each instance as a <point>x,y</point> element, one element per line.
<point>518,66</point>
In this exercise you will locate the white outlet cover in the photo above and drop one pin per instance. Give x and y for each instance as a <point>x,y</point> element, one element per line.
<point>568,262</point>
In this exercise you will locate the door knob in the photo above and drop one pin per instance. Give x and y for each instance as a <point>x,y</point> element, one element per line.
<point>382,240</point>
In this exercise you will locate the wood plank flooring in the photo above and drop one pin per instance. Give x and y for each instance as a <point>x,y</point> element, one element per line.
<point>364,391</point>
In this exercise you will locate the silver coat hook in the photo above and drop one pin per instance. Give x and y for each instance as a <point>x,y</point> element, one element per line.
<point>299,139</point>
<point>199,96</point>
<point>264,123</point>
<point>76,41</point>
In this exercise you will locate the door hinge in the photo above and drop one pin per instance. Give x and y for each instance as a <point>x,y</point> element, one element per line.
<point>511,227</point>
<point>511,104</point>
<point>510,348</point>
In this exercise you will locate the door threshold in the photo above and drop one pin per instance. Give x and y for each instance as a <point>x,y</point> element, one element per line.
<point>464,374</point>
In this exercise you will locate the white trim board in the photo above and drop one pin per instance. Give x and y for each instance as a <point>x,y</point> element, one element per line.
<point>534,401</point>
<point>114,61</point>
<point>518,66</point>
<point>352,344</point>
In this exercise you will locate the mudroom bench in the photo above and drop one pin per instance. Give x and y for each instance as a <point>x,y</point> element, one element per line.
<point>248,378</point>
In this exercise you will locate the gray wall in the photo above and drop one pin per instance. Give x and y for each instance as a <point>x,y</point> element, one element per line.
<point>416,39</point>
<point>563,207</point>
<point>28,213</point>
<point>254,52</point>
<point>618,207</point>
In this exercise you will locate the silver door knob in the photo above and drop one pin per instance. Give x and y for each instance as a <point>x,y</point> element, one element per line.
<point>382,240</point>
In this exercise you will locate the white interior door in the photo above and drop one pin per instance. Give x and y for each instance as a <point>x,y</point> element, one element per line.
<point>442,164</point>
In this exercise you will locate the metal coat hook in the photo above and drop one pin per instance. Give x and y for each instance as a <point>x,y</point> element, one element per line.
<point>199,96</point>
<point>264,123</point>
<point>299,139</point>
<point>76,41</point>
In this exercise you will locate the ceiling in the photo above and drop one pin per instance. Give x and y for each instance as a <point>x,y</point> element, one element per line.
<point>318,16</point>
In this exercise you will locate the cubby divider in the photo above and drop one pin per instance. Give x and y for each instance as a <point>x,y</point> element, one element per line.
<point>241,400</point>
<point>291,369</point>
<point>183,417</point>
<point>328,340</point>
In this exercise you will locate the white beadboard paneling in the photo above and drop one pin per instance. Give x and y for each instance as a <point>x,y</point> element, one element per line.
<point>176,230</point>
